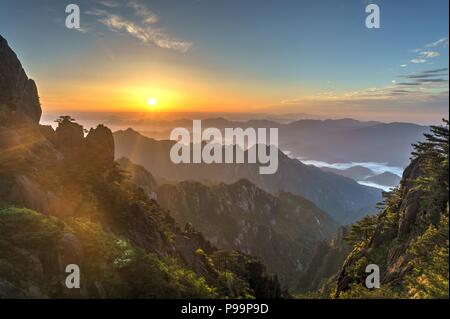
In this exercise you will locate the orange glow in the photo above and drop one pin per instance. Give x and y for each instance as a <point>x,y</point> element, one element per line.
<point>128,86</point>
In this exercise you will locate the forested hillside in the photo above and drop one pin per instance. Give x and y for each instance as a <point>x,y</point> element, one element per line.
<point>282,230</point>
<point>409,238</point>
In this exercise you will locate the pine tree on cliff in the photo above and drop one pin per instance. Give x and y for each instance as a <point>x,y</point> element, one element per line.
<point>409,238</point>
<point>433,154</point>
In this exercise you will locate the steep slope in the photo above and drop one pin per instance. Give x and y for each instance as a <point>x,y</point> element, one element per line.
<point>342,198</point>
<point>409,238</point>
<point>139,177</point>
<point>280,229</point>
<point>322,271</point>
<point>64,200</point>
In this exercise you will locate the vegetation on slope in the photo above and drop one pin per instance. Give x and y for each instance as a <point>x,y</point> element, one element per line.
<point>409,238</point>
<point>85,211</point>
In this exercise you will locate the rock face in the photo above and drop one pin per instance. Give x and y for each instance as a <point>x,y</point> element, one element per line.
<point>280,229</point>
<point>18,93</point>
<point>95,150</point>
<point>394,244</point>
<point>100,145</point>
<point>140,177</point>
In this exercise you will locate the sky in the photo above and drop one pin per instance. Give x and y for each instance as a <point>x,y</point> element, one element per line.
<point>274,56</point>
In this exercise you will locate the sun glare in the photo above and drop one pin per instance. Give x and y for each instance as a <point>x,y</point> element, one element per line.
<point>152,101</point>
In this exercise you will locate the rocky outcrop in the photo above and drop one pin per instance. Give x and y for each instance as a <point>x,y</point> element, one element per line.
<point>95,150</point>
<point>69,139</point>
<point>19,97</point>
<point>409,210</point>
<point>100,146</point>
<point>411,215</point>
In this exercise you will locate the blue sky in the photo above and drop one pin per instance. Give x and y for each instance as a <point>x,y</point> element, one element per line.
<point>278,56</point>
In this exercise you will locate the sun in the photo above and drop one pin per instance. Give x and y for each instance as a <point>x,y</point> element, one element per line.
<point>152,101</point>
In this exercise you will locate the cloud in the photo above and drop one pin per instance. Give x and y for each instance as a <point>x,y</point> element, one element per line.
<point>422,86</point>
<point>401,91</point>
<point>424,54</point>
<point>143,12</point>
<point>435,71</point>
<point>430,54</point>
<point>109,3</point>
<point>427,80</point>
<point>423,90</point>
<point>427,74</point>
<point>441,42</point>
<point>145,34</point>
<point>431,80</point>
<point>409,83</point>
<point>143,29</point>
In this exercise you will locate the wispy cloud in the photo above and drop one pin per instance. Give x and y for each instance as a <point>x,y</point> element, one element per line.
<point>441,42</point>
<point>424,53</point>
<point>142,27</point>
<point>435,71</point>
<point>417,61</point>
<point>109,3</point>
<point>430,54</point>
<point>143,12</point>
<point>427,74</point>
<point>420,87</point>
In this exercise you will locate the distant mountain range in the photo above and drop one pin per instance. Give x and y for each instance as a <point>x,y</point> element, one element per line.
<point>385,178</point>
<point>358,173</point>
<point>342,198</point>
<point>361,174</point>
<point>331,141</point>
<point>346,140</point>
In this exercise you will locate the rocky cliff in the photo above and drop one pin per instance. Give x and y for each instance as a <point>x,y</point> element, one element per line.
<point>18,94</point>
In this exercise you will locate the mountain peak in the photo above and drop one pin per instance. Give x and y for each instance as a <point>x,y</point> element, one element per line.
<point>18,94</point>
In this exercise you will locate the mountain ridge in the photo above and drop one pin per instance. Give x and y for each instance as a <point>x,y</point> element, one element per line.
<point>342,198</point>
<point>281,229</point>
